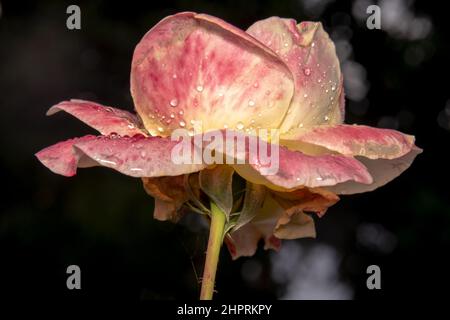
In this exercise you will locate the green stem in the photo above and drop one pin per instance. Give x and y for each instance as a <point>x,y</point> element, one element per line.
<point>212,253</point>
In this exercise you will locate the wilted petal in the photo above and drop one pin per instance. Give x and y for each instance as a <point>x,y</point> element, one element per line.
<point>136,156</point>
<point>294,226</point>
<point>106,120</point>
<point>316,200</point>
<point>244,241</point>
<point>353,140</point>
<point>169,193</point>
<point>194,67</point>
<point>281,217</point>
<point>311,56</point>
<point>382,171</point>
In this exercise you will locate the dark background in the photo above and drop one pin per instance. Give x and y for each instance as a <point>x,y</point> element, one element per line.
<point>396,77</point>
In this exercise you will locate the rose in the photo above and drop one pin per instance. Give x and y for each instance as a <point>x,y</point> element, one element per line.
<point>277,75</point>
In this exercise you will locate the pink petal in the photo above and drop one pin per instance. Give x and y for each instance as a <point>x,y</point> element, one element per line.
<point>169,194</point>
<point>353,140</point>
<point>194,67</point>
<point>63,159</point>
<point>106,120</point>
<point>311,56</point>
<point>382,171</point>
<point>297,170</point>
<point>290,169</point>
<point>136,156</point>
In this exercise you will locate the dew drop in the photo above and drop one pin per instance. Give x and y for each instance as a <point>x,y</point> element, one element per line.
<point>160,129</point>
<point>182,124</point>
<point>181,112</point>
<point>172,115</point>
<point>313,44</point>
<point>319,178</point>
<point>319,80</point>
<point>143,154</point>
<point>199,88</point>
<point>131,126</point>
<point>300,125</point>
<point>256,85</point>
<point>174,102</point>
<point>326,118</point>
<point>251,103</point>
<point>305,95</point>
<point>333,88</point>
<point>239,126</point>
<point>286,44</point>
<point>307,71</point>
<point>174,76</point>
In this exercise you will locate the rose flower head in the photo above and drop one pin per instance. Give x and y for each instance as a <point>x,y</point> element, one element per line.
<point>277,88</point>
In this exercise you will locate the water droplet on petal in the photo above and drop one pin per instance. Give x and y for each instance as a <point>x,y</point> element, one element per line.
<point>305,95</point>
<point>319,178</point>
<point>172,115</point>
<point>182,124</point>
<point>174,76</point>
<point>225,126</point>
<point>286,44</point>
<point>326,118</point>
<point>143,154</point>
<point>160,129</point>
<point>256,85</point>
<point>307,71</point>
<point>199,88</point>
<point>333,88</point>
<point>131,126</point>
<point>181,112</point>
<point>174,102</point>
<point>251,103</point>
<point>239,126</point>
